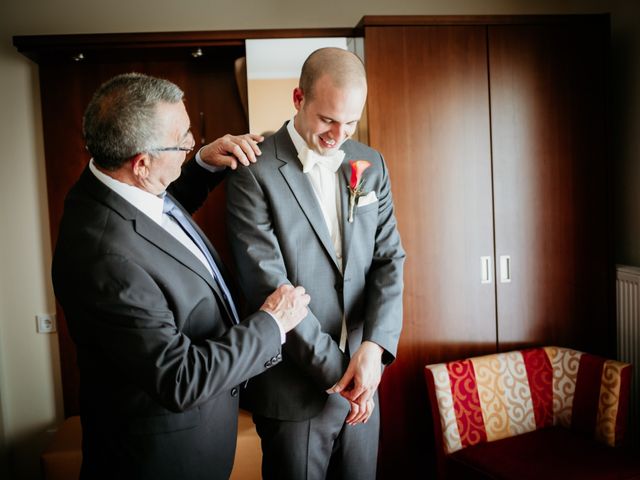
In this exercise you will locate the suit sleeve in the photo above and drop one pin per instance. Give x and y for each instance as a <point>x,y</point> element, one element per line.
<point>192,188</point>
<point>128,317</point>
<point>384,281</point>
<point>261,269</point>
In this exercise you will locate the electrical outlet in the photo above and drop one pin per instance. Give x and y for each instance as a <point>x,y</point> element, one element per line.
<point>46,323</point>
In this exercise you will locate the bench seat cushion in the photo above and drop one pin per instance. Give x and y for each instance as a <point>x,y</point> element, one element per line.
<point>549,453</point>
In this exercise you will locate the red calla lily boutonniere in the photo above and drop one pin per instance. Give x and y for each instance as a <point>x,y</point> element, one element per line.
<point>355,185</point>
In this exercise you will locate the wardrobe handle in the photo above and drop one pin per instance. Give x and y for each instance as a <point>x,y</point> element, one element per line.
<point>485,269</point>
<point>505,269</point>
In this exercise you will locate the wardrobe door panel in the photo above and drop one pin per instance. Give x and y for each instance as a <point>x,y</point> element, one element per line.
<point>428,113</point>
<point>551,179</point>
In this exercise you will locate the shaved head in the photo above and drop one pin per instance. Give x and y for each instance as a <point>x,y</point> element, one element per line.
<point>329,99</point>
<point>343,67</point>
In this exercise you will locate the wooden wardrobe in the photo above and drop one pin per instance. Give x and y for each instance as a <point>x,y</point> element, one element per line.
<point>494,131</point>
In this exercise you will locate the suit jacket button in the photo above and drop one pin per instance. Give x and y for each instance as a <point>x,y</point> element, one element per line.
<point>267,364</point>
<point>234,392</point>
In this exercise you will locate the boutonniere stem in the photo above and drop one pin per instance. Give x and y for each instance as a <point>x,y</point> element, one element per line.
<point>356,184</point>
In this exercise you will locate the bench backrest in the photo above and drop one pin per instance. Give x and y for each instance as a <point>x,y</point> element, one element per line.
<point>482,399</point>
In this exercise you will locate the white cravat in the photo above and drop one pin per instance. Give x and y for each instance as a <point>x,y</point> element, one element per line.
<point>329,162</point>
<point>322,173</point>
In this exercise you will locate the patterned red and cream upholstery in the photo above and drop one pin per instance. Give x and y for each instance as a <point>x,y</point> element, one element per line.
<point>497,396</point>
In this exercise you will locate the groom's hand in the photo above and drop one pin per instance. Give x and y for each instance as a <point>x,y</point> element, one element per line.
<point>360,382</point>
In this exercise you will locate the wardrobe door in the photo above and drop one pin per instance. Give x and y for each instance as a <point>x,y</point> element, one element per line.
<point>551,181</point>
<point>428,113</point>
<point>213,104</point>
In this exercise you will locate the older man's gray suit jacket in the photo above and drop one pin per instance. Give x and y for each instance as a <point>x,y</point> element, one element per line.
<point>159,360</point>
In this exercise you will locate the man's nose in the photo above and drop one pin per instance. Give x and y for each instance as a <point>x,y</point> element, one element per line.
<point>338,131</point>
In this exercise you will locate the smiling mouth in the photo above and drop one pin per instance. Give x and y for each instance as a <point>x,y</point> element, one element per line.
<point>328,142</point>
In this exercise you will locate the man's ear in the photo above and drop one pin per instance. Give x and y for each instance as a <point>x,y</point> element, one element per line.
<point>298,98</point>
<point>140,165</point>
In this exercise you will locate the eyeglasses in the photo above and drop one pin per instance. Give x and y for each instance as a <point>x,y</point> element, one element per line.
<point>178,148</point>
<point>173,149</point>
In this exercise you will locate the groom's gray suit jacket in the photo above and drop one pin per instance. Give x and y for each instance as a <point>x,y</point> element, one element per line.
<point>280,236</point>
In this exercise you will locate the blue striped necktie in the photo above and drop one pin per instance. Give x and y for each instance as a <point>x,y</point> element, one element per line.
<point>174,212</point>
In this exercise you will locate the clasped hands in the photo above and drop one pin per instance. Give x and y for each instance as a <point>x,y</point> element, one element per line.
<point>288,305</point>
<point>360,382</point>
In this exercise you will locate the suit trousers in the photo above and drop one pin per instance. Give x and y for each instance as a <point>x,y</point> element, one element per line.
<point>322,447</point>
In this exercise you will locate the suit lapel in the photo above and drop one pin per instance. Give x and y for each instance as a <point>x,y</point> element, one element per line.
<point>152,232</point>
<point>164,241</point>
<point>205,239</point>
<point>347,227</point>
<point>301,188</point>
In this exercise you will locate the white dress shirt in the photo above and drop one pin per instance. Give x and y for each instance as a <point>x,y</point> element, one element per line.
<point>322,172</point>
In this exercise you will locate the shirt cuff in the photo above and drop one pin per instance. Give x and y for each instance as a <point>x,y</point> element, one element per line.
<point>206,166</point>
<point>283,334</point>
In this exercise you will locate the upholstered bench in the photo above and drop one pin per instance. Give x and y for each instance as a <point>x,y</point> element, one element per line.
<point>541,413</point>
<point>62,458</point>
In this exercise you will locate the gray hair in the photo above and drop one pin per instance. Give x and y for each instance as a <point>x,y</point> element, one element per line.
<point>120,120</point>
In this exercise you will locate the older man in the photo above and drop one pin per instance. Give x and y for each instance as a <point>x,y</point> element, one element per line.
<point>317,211</point>
<point>160,346</point>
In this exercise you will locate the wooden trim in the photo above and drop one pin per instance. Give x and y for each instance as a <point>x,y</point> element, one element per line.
<point>440,20</point>
<point>38,47</point>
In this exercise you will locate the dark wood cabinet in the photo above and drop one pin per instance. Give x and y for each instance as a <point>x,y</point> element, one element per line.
<point>494,129</point>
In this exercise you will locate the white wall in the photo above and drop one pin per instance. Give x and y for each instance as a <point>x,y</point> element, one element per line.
<point>30,392</point>
<point>30,380</point>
